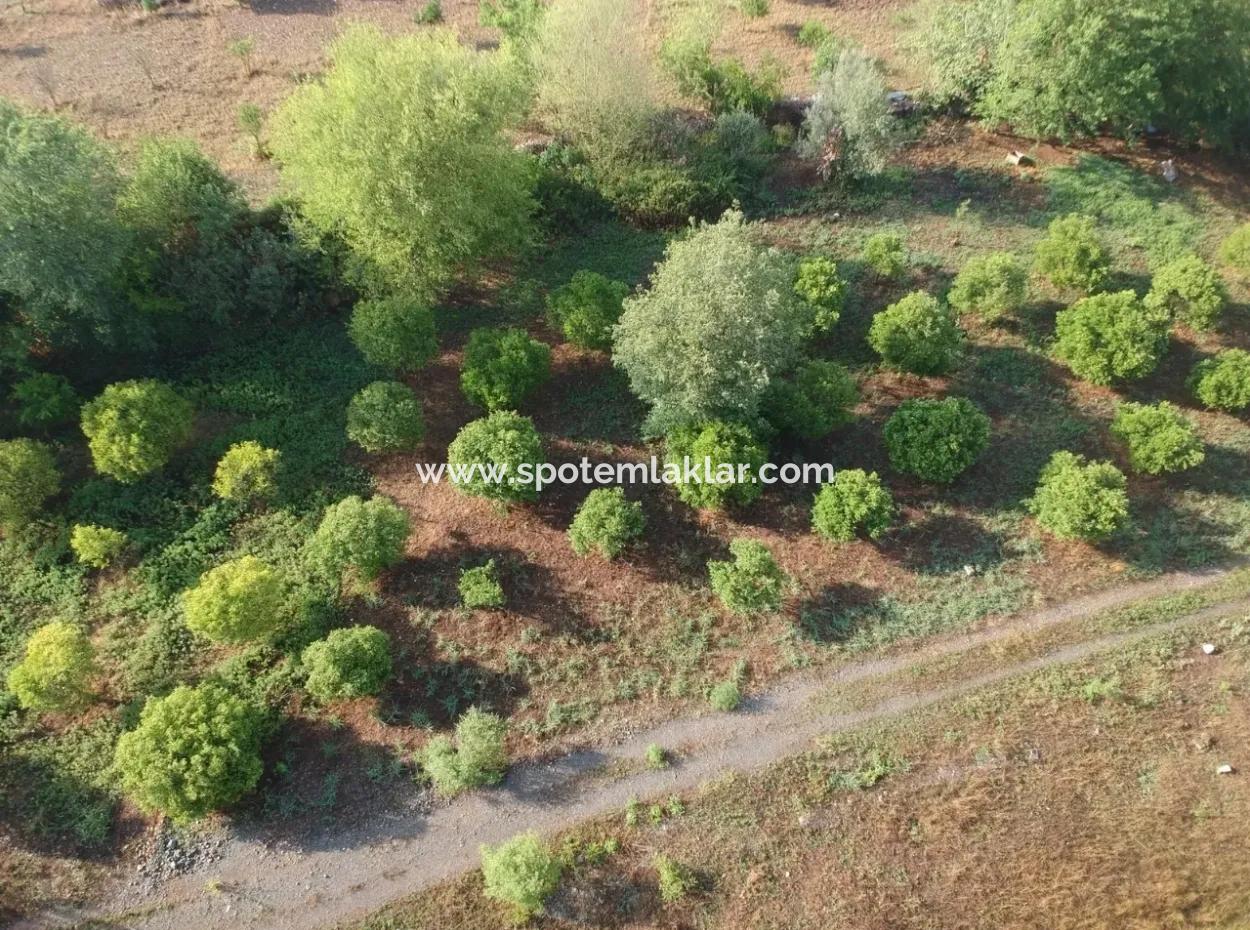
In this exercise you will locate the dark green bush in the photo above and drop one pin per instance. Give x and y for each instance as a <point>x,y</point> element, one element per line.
<point>45,400</point>
<point>1078,499</point>
<point>28,477</point>
<point>350,662</point>
<point>395,333</point>
<point>917,334</point>
<point>1159,438</point>
<point>816,401</point>
<point>607,522</point>
<point>480,587</point>
<point>735,456</point>
<point>586,309</point>
<point>502,366</point>
<point>1072,255</point>
<point>722,86</point>
<point>1188,290</point>
<point>385,416</point>
<point>1111,337</point>
<point>936,440</point>
<point>1223,382</point>
<point>854,502</point>
<point>990,286</point>
<point>751,582</point>
<point>503,441</point>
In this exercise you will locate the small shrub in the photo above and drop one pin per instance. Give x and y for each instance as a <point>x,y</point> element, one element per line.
<point>754,9</point>
<point>28,477</point>
<point>53,672</point>
<point>365,536</point>
<point>503,440</point>
<point>885,254</point>
<point>396,333</point>
<point>936,440</point>
<point>735,457</point>
<point>813,33</point>
<point>725,696</point>
<point>916,334</point>
<point>236,602</point>
<point>990,286</point>
<point>1235,250</point>
<point>854,502</point>
<point>477,757</point>
<point>752,582</point>
<point>657,757</point>
<point>429,14</point>
<point>820,286</point>
<point>502,366</point>
<point>385,416</point>
<point>815,402</point>
<point>722,86</point>
<point>675,880</point>
<point>1223,382</point>
<point>1110,337</point>
<point>1072,255</point>
<point>1159,438</point>
<point>586,309</point>
<point>194,751</point>
<point>351,662</point>
<point>518,20</point>
<point>607,522</point>
<point>480,588</point>
<point>96,546</point>
<point>45,400</point>
<point>251,120</point>
<point>521,872</point>
<point>133,428</point>
<point>248,471</point>
<point>1190,291</point>
<point>1078,499</point>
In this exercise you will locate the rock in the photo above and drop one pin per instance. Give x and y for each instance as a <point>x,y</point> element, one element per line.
<point>1225,769</point>
<point>1168,170</point>
<point>1209,649</point>
<point>1020,159</point>
<point>900,103</point>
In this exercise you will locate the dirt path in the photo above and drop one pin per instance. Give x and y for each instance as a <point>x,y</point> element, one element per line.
<point>355,868</point>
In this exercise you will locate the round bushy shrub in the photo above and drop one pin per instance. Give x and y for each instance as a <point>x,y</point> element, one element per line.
<point>734,455</point>
<point>854,502</point>
<point>916,334</point>
<point>1159,438</point>
<point>96,546</point>
<point>194,751</point>
<point>1078,499</point>
<point>365,536</point>
<point>477,756</point>
<point>1188,290</point>
<point>396,333</point>
<point>53,672</point>
<point>1110,337</point>
<point>936,440</point>
<point>351,662</point>
<point>586,309</point>
<point>816,401</point>
<point>480,587</point>
<point>503,440</point>
<point>235,602</point>
<point>1223,382</point>
<point>133,428</point>
<point>385,416</point>
<point>522,873</point>
<point>1235,250</point>
<point>45,400</point>
<point>28,477</point>
<point>1072,255</point>
<point>819,285</point>
<point>885,254</point>
<point>502,366</point>
<point>607,522</point>
<point>990,286</point>
<point>751,582</point>
<point>246,472</point>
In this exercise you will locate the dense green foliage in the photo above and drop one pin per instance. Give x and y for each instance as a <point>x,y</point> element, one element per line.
<point>1235,250</point>
<point>726,458</point>
<point>1072,255</point>
<point>385,416</point>
<point>521,872</point>
<point>1223,382</point>
<point>854,502</point>
<point>1159,438</point>
<point>96,546</point>
<point>606,522</point>
<point>814,402</point>
<point>1078,499</point>
<point>480,588</point>
<point>886,254</point>
<point>477,756</point>
<point>502,367</point>
<point>1111,337</point>
<point>586,309</point>
<point>501,442</point>
<point>917,334</point>
<point>366,536</point>
<point>28,477</point>
<point>957,42</point>
<point>1189,291</point>
<point>236,601</point>
<point>818,283</point>
<point>134,427</point>
<point>45,400</point>
<point>53,672</point>
<point>936,440</point>
<point>248,471</point>
<point>395,333</point>
<point>350,662</point>
<point>991,286</point>
<point>751,581</point>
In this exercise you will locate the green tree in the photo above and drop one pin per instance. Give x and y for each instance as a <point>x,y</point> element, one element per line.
<point>1111,337</point>
<point>96,546</point>
<point>727,458</point>
<point>246,472</point>
<point>1223,382</point>
<point>367,536</point>
<point>194,751</point>
<point>1072,255</point>
<point>936,440</point>
<point>503,366</point>
<point>45,400</point>
<point>238,601</point>
<point>917,334</point>
<point>385,416</point>
<point>957,43</point>
<point>991,286</point>
<point>53,672</point>
<point>1079,499</point>
<point>607,522</point>
<point>1190,291</point>
<point>586,309</point>
<point>848,126</point>
<point>751,581</point>
<point>394,332</point>
<point>134,427</point>
<point>815,402</point>
<point>854,502</point>
<point>477,756</point>
<point>522,873</point>
<point>1159,438</point>
<point>28,477</point>
<point>350,662</point>
<point>505,440</point>
<point>401,150</point>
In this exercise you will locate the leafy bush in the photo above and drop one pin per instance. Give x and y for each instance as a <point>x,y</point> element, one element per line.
<point>815,402</point>
<point>521,872</point>
<point>1223,382</point>
<point>53,672</point>
<point>385,416</point>
<point>480,588</point>
<point>586,309</point>
<point>1188,290</point>
<point>400,149</point>
<point>722,86</point>
<point>350,662</point>
<point>503,440</point>
<point>751,582</point>
<point>394,332</point>
<point>936,440</point>
<point>134,427</point>
<point>1235,250</point>
<point>725,696</point>
<point>958,42</point>
<point>854,502</point>
<point>823,289</point>
<point>606,522</point>
<point>848,126</point>
<point>990,286</point>
<point>45,400</point>
<point>1110,337</point>
<point>675,880</point>
<point>1159,438</point>
<point>429,14</point>
<point>502,366</point>
<point>813,33</point>
<point>365,536</point>
<point>1078,499</point>
<point>248,471</point>
<point>734,457</point>
<point>476,758</point>
<point>885,254</point>
<point>917,334</point>
<point>194,751</point>
<point>1072,255</point>
<point>96,546</point>
<point>236,602</point>
<point>518,20</point>
<point>718,323</point>
<point>28,477</point>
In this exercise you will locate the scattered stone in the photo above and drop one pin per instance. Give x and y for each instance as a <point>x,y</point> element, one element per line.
<point>1224,769</point>
<point>1020,159</point>
<point>1209,649</point>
